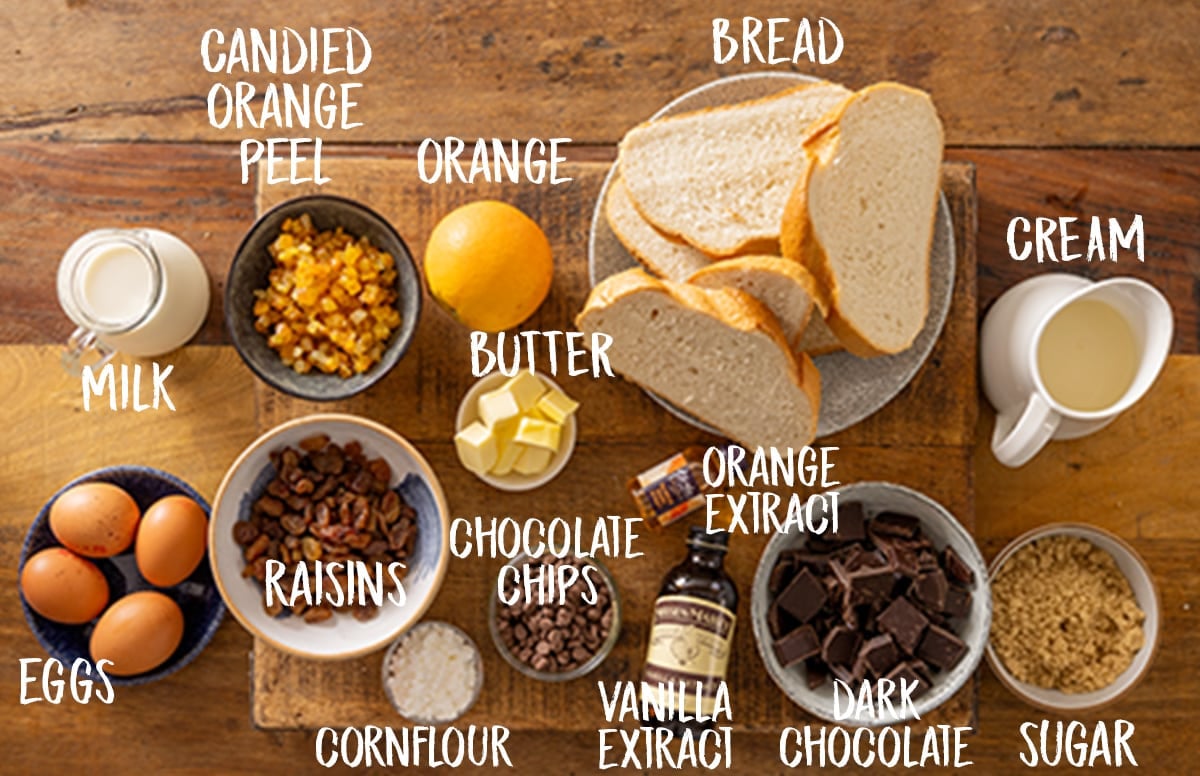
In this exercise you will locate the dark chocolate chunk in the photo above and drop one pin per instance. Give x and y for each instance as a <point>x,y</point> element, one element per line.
<point>927,560</point>
<point>902,556</point>
<point>783,572</point>
<point>922,669</point>
<point>941,648</point>
<point>780,622</point>
<point>958,602</point>
<point>848,676</point>
<point>816,673</point>
<point>852,523</point>
<point>872,585</point>
<point>906,674</point>
<point>877,656</point>
<point>895,524</point>
<point>817,562</point>
<point>957,568</point>
<point>840,646</point>
<point>929,590</point>
<point>905,622</point>
<point>801,644</point>
<point>804,597</point>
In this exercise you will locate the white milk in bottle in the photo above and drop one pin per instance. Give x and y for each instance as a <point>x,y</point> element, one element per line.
<point>142,292</point>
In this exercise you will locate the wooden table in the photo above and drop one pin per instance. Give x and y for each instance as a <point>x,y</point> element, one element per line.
<point>1072,108</point>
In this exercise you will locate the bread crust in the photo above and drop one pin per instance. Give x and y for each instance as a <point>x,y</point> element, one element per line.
<point>616,187</point>
<point>773,264</point>
<point>798,240</point>
<point>728,306</point>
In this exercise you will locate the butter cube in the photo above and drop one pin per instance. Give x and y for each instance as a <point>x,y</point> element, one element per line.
<point>509,453</point>
<point>557,406</point>
<point>539,433</point>
<point>498,405</point>
<point>526,388</point>
<point>533,460</point>
<point>477,448</point>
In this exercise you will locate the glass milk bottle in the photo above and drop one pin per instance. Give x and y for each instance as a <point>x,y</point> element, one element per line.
<point>142,292</point>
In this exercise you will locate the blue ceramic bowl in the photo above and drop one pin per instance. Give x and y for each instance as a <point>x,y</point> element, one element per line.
<point>252,265</point>
<point>197,595</point>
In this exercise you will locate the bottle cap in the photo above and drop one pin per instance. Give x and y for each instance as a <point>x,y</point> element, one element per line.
<point>700,536</point>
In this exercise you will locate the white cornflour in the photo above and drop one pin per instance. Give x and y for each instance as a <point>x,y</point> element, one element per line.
<point>434,673</point>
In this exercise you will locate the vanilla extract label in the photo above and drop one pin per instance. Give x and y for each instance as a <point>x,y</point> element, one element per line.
<point>690,641</point>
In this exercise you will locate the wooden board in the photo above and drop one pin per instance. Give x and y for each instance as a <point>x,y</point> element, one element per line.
<point>1076,72</point>
<point>210,731</point>
<point>923,439</point>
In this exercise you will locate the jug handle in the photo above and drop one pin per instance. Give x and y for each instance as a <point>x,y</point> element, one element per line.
<point>1015,442</point>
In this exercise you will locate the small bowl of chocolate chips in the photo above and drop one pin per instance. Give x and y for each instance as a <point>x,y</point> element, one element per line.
<point>555,618</point>
<point>896,598</point>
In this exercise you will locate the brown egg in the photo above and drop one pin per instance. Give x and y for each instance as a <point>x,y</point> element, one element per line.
<point>96,519</point>
<point>137,633</point>
<point>61,586</point>
<point>170,540</point>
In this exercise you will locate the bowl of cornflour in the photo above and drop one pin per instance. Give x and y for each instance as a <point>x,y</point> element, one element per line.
<point>433,674</point>
<point>1075,617</point>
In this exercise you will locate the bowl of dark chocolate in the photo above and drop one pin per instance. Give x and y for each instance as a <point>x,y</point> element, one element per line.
<point>899,593</point>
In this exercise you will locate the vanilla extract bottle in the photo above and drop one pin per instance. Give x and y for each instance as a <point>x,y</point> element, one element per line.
<point>691,637</point>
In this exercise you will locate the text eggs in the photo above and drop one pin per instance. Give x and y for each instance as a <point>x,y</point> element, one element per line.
<point>137,633</point>
<point>95,519</point>
<point>61,586</point>
<point>171,540</point>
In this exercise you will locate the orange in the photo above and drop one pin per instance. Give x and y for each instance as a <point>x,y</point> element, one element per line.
<point>489,264</point>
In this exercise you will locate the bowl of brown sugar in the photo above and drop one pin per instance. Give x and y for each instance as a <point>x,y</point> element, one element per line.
<point>1075,617</point>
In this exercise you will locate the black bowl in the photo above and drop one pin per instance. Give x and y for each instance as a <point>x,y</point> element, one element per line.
<point>252,264</point>
<point>197,595</point>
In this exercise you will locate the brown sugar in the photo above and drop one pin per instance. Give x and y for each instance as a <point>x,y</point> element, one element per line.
<point>1064,616</point>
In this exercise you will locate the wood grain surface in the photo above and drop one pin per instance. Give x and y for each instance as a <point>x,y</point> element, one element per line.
<point>922,439</point>
<point>1069,108</point>
<point>1076,72</point>
<point>50,193</point>
<point>197,722</point>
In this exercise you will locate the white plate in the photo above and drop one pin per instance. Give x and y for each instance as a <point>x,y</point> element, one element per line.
<point>852,388</point>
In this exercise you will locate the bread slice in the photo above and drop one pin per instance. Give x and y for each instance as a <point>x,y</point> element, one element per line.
<point>663,256</point>
<point>783,286</point>
<point>719,178</point>
<point>714,353</point>
<point>861,216</point>
<point>818,339</point>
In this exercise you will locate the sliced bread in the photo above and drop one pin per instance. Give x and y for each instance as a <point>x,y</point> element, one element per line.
<point>783,286</point>
<point>714,353</point>
<point>818,339</point>
<point>719,178</point>
<point>663,256</point>
<point>861,215</point>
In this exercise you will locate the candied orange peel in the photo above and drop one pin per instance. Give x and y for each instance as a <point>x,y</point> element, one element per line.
<point>330,300</point>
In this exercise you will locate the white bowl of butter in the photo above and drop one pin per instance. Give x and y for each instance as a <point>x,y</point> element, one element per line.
<point>515,433</point>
